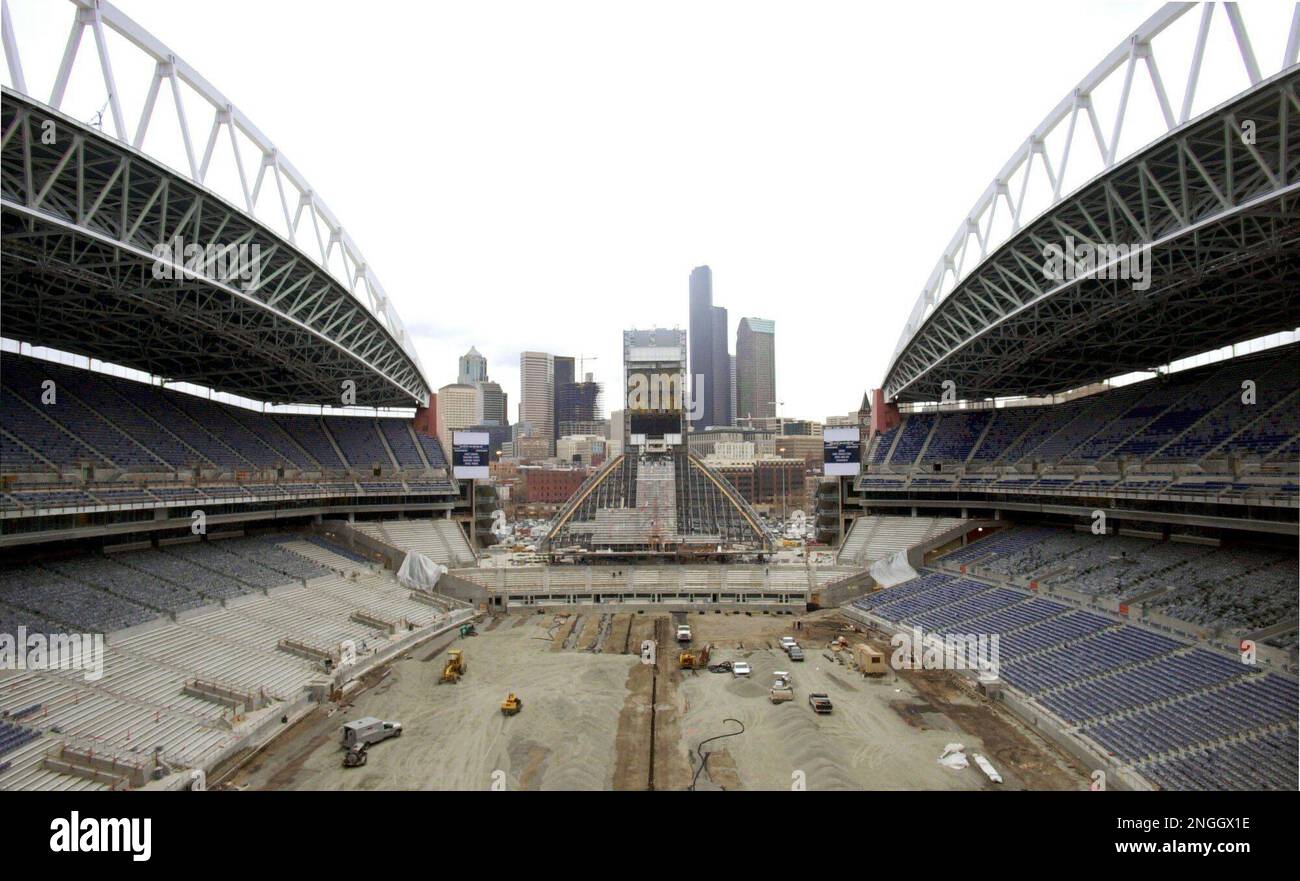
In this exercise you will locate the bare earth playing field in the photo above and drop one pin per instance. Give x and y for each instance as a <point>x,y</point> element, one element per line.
<point>587,722</point>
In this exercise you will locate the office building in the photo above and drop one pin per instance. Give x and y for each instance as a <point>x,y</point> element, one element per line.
<point>755,369</point>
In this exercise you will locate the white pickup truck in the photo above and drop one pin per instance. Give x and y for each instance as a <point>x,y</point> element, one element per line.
<point>683,633</point>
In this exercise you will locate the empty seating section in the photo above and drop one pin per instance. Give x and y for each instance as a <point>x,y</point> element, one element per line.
<point>217,558</point>
<point>1109,649</point>
<point>1183,716</point>
<point>13,736</point>
<point>359,440</point>
<point>1205,718</point>
<point>875,538</point>
<point>140,702</point>
<point>955,435</point>
<point>222,422</point>
<point>109,421</point>
<point>437,538</point>
<point>136,585</point>
<point>309,432</point>
<point>398,435</point>
<point>1175,433</point>
<point>915,430</point>
<point>1220,386</point>
<point>881,445</point>
<point>1006,541</point>
<point>432,450</point>
<point>274,438</point>
<point>192,431</point>
<point>1142,685</point>
<point>1007,425</point>
<point>1266,761</point>
<point>37,429</point>
<point>48,594</point>
<point>77,418</point>
<point>1235,589</point>
<point>14,456</point>
<point>123,416</point>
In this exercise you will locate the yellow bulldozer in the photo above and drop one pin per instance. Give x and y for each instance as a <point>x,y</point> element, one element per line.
<point>511,705</point>
<point>455,666</point>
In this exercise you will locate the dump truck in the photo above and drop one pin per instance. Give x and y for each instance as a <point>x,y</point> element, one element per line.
<point>455,666</point>
<point>368,730</point>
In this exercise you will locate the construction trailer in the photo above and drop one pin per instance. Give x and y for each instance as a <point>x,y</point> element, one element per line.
<point>870,661</point>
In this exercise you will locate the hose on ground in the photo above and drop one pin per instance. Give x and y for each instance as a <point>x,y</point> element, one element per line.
<point>704,757</point>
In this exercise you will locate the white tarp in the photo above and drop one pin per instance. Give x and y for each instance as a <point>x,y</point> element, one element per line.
<point>954,757</point>
<point>418,572</point>
<point>987,767</point>
<point>892,570</point>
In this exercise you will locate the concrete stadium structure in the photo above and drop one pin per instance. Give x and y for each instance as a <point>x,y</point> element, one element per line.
<point>1137,551</point>
<point>187,531</point>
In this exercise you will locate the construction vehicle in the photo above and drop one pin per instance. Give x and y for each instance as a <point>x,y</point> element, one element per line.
<point>455,666</point>
<point>356,756</point>
<point>468,630</point>
<point>694,660</point>
<point>781,690</point>
<point>368,730</point>
<point>683,633</point>
<point>820,701</point>
<point>511,705</point>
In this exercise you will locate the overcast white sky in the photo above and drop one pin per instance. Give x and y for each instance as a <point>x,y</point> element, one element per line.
<point>542,175</point>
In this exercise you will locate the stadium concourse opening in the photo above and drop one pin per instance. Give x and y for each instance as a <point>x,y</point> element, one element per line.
<point>239,491</point>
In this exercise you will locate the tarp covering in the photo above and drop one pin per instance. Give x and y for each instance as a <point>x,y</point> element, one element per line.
<point>892,570</point>
<point>418,572</point>
<point>954,757</point>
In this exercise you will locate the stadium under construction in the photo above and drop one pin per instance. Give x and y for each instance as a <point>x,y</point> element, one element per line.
<point>236,480</point>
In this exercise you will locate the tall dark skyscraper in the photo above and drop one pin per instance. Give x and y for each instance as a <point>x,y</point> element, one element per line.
<point>710,366</point>
<point>564,376</point>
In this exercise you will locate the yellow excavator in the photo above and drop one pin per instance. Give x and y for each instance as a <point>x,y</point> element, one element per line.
<point>455,666</point>
<point>694,660</point>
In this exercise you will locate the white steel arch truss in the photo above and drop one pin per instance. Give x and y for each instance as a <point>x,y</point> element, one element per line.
<point>1002,203</point>
<point>1219,220</point>
<point>295,203</point>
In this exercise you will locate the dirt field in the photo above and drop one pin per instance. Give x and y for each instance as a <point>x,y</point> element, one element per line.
<point>595,717</point>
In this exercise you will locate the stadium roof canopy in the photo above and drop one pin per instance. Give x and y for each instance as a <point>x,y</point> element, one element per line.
<point>1189,244</point>
<point>111,253</point>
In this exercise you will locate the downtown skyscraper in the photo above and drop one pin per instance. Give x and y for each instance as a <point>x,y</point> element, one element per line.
<point>755,369</point>
<point>537,396</point>
<point>710,363</point>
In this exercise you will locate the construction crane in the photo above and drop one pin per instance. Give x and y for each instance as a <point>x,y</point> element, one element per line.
<point>582,365</point>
